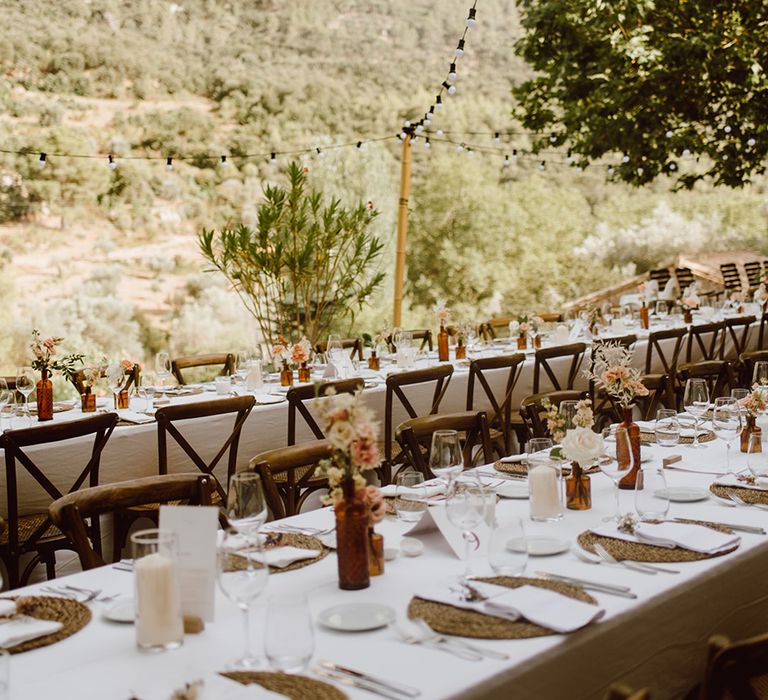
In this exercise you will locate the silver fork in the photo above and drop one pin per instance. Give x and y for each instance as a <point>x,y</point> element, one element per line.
<point>740,501</point>
<point>429,633</point>
<point>418,638</point>
<point>603,553</point>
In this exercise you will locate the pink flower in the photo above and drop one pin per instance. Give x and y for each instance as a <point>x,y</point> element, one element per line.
<point>377,509</point>
<point>365,453</point>
<point>50,343</point>
<point>127,365</point>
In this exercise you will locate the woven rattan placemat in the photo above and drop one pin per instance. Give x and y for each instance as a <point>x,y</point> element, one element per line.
<point>634,551</point>
<point>284,539</point>
<point>72,614</point>
<point>447,619</point>
<point>522,469</point>
<point>743,492</point>
<point>650,438</point>
<point>290,685</point>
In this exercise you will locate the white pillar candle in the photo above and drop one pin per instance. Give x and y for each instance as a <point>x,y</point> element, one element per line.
<point>254,379</point>
<point>617,326</point>
<point>561,335</point>
<point>544,493</point>
<point>159,621</point>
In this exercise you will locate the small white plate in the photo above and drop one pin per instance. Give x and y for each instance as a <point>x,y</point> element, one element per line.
<point>121,612</point>
<point>265,399</point>
<point>512,490</point>
<point>356,617</point>
<point>683,494</point>
<point>539,546</point>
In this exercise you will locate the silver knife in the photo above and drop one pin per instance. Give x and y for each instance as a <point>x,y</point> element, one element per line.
<point>355,683</point>
<point>733,526</point>
<point>396,687</point>
<point>621,591</point>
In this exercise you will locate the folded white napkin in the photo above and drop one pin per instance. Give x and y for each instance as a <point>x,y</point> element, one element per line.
<point>732,480</point>
<point>649,426</point>
<point>538,605</point>
<point>23,628</point>
<point>280,557</point>
<point>432,489</point>
<point>696,538</point>
<point>214,687</point>
<point>513,459</point>
<point>7,608</point>
<point>133,417</point>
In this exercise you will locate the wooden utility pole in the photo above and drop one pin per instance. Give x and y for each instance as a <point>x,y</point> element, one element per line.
<point>402,228</point>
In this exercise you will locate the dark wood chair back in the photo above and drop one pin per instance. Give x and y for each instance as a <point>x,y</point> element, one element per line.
<point>397,392</point>
<point>559,381</point>
<point>497,327</point>
<point>762,336</point>
<point>718,374</point>
<point>754,271</point>
<point>708,339</point>
<point>532,409</point>
<point>501,404</point>
<point>168,416</point>
<point>289,475</point>
<point>731,277</point>
<point>133,378</point>
<point>69,513</point>
<point>354,345</point>
<point>658,350</point>
<point>684,277</point>
<point>737,332</point>
<point>225,359</point>
<point>298,397</point>
<point>736,669</point>
<point>422,334</point>
<point>415,435</point>
<point>747,361</point>
<point>25,533</point>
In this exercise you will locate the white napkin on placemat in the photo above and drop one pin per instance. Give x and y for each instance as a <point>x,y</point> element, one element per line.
<point>7,607</point>
<point>514,459</point>
<point>23,628</point>
<point>732,480</point>
<point>537,605</point>
<point>281,557</point>
<point>649,426</point>
<point>214,687</point>
<point>696,538</point>
<point>134,417</point>
<point>390,491</point>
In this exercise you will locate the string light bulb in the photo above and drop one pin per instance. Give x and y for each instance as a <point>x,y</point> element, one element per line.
<point>440,132</point>
<point>553,137</point>
<point>496,137</point>
<point>169,163</point>
<point>419,128</point>
<point>669,134</point>
<point>459,147</point>
<point>472,20</point>
<point>452,72</point>
<point>569,157</point>
<point>727,129</point>
<point>427,145</point>
<point>686,152</point>
<point>438,103</point>
<point>111,162</point>
<point>751,142</point>
<point>320,153</point>
<point>543,166</point>
<point>611,170</point>
<point>459,50</point>
<point>224,163</point>
<point>506,161</point>
<point>401,136</point>
<point>359,145</point>
<point>470,152</point>
<point>42,160</point>
<point>273,158</point>
<point>625,158</point>
<point>514,154</point>
<point>451,89</point>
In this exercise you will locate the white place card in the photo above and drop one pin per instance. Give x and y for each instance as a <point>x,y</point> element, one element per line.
<point>437,519</point>
<point>195,527</point>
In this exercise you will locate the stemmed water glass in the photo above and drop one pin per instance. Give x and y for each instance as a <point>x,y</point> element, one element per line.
<point>446,460</point>
<point>726,422</point>
<point>242,360</point>
<point>115,379</point>
<point>760,373</point>
<point>615,469</point>
<point>5,397</point>
<point>336,354</point>
<point>246,505</point>
<point>162,368</point>
<point>662,310</point>
<point>25,385</point>
<point>696,402</point>
<point>242,578</point>
<point>465,509</point>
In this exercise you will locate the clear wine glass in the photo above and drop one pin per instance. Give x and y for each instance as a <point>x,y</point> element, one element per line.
<point>5,398</point>
<point>25,385</point>
<point>115,379</point>
<point>246,505</point>
<point>446,460</point>
<point>465,509</point>
<point>242,578</point>
<point>696,402</point>
<point>726,423</point>
<point>336,354</point>
<point>615,470</point>
<point>162,369</point>
<point>757,459</point>
<point>241,366</point>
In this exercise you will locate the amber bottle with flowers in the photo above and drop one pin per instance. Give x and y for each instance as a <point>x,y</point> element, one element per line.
<point>280,356</point>
<point>443,315</point>
<point>300,353</point>
<point>753,405</point>
<point>47,363</point>
<point>349,427</point>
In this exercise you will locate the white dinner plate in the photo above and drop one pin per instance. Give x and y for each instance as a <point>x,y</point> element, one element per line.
<point>512,489</point>
<point>264,399</point>
<point>121,612</point>
<point>683,494</point>
<point>539,546</point>
<point>356,617</point>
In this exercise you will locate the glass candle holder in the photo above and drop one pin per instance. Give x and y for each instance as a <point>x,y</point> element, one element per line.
<point>545,485</point>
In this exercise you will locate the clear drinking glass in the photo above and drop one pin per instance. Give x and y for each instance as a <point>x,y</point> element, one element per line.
<point>739,394</point>
<point>115,379</point>
<point>465,509</point>
<point>757,460</point>
<point>537,445</point>
<point>726,423</point>
<point>696,402</point>
<point>289,639</point>
<point>446,460</point>
<point>25,385</point>
<point>760,373</point>
<point>336,354</point>
<point>615,470</point>
<point>567,409</point>
<point>157,595</point>
<point>5,398</point>
<point>246,505</point>
<point>147,391</point>
<point>507,546</point>
<point>242,578</point>
<point>162,369</point>
<point>410,496</point>
<point>651,494</point>
<point>662,310</point>
<point>667,428</point>
<point>242,359</point>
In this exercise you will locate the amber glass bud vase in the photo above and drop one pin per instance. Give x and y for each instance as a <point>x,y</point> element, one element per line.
<point>122,399</point>
<point>750,429</point>
<point>578,489</point>
<point>352,539</point>
<point>304,372</point>
<point>45,397</point>
<point>375,553</point>
<point>88,401</point>
<point>461,350</point>
<point>286,375</point>
<point>645,320</point>
<point>687,315</point>
<point>629,481</point>
<point>522,341</point>
<point>442,344</point>
<point>537,342</point>
<point>373,362</point>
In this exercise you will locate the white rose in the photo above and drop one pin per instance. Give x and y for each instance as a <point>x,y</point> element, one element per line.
<point>341,435</point>
<point>514,327</point>
<point>582,445</point>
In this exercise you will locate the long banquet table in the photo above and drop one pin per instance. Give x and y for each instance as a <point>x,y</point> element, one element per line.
<point>656,641</point>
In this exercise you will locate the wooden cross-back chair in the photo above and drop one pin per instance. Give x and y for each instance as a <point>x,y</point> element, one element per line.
<point>289,475</point>
<point>747,362</point>
<point>70,512</point>
<point>354,345</point>
<point>415,435</point>
<point>532,409</point>
<point>762,336</point>
<point>754,271</point>
<point>422,334</point>
<point>133,378</point>
<point>35,533</point>
<point>543,360</point>
<point>717,373</point>
<point>731,277</point>
<point>225,359</point>
<point>658,352</point>
<point>736,670</point>
<point>603,406</point>
<point>708,338</point>
<point>298,396</point>
<point>503,419</point>
<point>397,391</point>
<point>737,330</point>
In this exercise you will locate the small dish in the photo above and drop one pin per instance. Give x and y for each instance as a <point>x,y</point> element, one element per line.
<point>121,612</point>
<point>512,490</point>
<point>683,494</point>
<point>411,547</point>
<point>266,399</point>
<point>539,546</point>
<point>391,553</point>
<point>356,617</point>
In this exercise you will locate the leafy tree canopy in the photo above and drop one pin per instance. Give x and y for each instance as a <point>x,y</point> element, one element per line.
<point>659,86</point>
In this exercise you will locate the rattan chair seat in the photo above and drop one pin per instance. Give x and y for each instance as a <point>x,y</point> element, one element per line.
<point>27,526</point>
